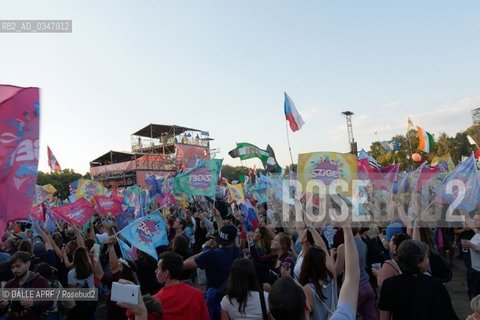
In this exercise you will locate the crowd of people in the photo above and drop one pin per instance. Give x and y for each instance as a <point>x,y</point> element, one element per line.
<point>214,268</point>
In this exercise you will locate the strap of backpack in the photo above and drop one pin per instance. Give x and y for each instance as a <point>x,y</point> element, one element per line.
<point>393,266</point>
<point>262,303</point>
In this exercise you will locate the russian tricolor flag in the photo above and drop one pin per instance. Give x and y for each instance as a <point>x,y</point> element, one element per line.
<point>292,115</point>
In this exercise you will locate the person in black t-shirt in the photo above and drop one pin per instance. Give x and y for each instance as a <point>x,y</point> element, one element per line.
<point>413,295</point>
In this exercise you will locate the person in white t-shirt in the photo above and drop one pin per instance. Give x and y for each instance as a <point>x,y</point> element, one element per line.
<point>474,246</point>
<point>243,299</point>
<point>101,234</point>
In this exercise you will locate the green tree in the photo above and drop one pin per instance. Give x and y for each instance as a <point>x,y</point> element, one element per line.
<point>60,180</point>
<point>457,147</point>
<point>233,173</point>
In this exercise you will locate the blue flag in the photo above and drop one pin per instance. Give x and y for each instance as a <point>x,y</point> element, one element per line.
<point>139,235</point>
<point>124,218</point>
<point>50,223</point>
<point>158,229</point>
<point>127,252</point>
<point>390,146</point>
<point>466,174</point>
<point>249,217</point>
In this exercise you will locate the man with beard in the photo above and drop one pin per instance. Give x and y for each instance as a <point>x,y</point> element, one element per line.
<point>23,278</point>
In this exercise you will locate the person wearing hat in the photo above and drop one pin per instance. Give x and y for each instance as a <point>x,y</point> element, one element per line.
<point>217,264</point>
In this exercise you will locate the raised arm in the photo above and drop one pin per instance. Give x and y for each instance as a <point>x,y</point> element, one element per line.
<point>57,250</point>
<point>112,255</point>
<point>320,243</point>
<point>349,290</point>
<point>340,260</point>
<point>45,238</point>
<point>78,234</point>
<point>218,218</point>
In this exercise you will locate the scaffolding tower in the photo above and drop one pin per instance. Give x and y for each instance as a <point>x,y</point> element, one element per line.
<point>351,140</point>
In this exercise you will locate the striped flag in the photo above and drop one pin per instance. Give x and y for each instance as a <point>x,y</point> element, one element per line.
<point>246,151</point>
<point>425,140</point>
<point>292,115</point>
<point>52,161</point>
<point>371,161</point>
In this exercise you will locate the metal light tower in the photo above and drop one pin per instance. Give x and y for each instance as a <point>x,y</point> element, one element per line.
<point>351,140</point>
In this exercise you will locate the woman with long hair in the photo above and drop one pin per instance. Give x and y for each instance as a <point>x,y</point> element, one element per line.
<point>81,276</point>
<point>318,283</point>
<point>263,240</point>
<point>308,238</point>
<point>281,258</point>
<point>244,299</point>
<point>390,267</point>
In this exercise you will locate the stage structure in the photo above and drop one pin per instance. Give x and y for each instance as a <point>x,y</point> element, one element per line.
<point>157,149</point>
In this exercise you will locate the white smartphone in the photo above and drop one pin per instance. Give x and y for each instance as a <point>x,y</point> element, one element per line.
<point>125,292</point>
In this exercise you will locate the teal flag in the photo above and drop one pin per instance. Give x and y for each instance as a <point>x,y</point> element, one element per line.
<point>200,180</point>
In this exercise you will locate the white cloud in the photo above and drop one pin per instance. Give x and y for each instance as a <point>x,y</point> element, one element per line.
<point>308,113</point>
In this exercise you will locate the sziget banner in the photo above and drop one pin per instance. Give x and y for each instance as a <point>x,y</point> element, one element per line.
<point>327,167</point>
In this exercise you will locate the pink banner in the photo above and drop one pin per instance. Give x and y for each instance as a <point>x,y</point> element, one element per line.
<point>113,168</point>
<point>77,213</point>
<point>187,156</point>
<point>19,142</point>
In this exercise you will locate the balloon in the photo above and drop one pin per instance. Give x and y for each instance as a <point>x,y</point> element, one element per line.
<point>416,157</point>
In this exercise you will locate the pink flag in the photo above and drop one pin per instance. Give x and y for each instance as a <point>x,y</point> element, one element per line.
<point>382,178</point>
<point>77,213</point>
<point>37,212</point>
<point>19,141</point>
<point>105,205</point>
<point>425,174</point>
<point>52,161</point>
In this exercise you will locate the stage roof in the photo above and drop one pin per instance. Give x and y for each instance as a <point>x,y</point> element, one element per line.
<point>112,157</point>
<point>155,130</point>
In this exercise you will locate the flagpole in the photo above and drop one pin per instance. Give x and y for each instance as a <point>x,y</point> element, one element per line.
<point>288,141</point>
<point>410,146</point>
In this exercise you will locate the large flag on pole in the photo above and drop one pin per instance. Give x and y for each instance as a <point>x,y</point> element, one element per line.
<point>19,140</point>
<point>425,140</point>
<point>271,165</point>
<point>292,115</point>
<point>247,151</point>
<point>52,161</point>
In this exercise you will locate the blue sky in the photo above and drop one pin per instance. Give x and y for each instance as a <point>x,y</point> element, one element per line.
<point>222,66</point>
